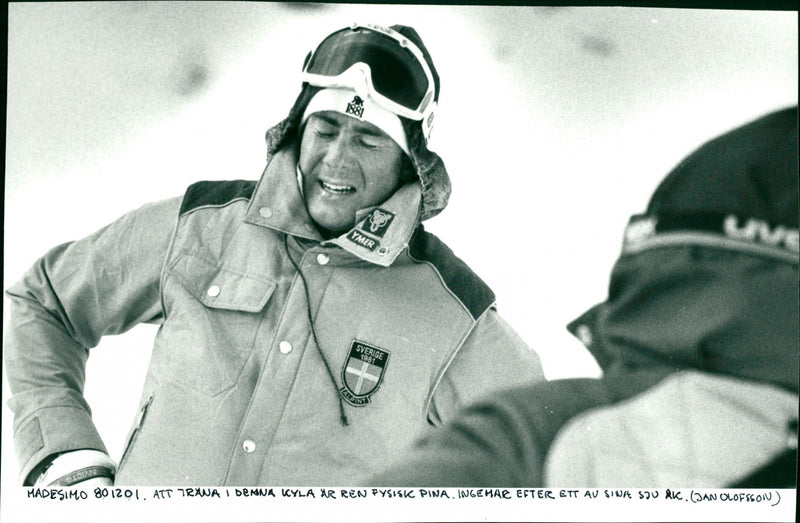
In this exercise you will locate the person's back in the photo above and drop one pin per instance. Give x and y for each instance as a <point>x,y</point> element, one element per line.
<point>697,340</point>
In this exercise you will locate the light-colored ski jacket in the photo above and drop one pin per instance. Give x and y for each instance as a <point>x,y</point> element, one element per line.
<point>239,391</point>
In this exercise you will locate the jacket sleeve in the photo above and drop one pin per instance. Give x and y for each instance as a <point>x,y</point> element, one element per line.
<point>492,357</point>
<point>498,441</point>
<point>501,440</point>
<point>78,292</point>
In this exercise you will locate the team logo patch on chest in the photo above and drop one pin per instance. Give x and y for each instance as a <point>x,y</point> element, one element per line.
<point>362,372</point>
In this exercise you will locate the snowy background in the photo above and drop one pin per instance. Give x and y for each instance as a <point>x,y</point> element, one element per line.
<point>555,124</point>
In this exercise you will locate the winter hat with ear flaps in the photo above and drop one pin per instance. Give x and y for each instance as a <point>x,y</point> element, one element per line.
<point>428,165</point>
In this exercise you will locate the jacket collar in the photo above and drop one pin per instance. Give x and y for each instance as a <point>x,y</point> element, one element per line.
<point>379,236</point>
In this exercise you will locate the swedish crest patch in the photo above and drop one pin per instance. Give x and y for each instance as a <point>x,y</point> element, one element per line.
<point>362,373</point>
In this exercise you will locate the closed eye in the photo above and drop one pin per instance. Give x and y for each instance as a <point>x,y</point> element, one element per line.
<point>323,127</point>
<point>369,142</point>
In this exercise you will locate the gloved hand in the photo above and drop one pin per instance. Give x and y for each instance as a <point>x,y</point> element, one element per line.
<point>84,468</point>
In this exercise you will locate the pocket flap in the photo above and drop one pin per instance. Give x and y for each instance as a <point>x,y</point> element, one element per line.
<point>222,288</point>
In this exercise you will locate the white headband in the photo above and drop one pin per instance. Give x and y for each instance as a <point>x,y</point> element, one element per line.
<point>347,102</point>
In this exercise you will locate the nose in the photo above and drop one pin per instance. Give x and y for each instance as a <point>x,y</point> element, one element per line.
<point>339,151</point>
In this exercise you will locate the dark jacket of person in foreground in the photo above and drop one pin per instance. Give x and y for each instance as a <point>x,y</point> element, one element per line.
<point>698,341</point>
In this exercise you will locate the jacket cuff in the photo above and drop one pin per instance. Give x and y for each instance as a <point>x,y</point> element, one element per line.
<point>77,467</point>
<point>54,430</point>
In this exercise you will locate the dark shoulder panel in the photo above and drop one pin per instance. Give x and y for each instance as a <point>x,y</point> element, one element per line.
<point>216,193</point>
<point>459,278</point>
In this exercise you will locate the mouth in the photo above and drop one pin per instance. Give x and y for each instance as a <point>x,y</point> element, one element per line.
<point>336,188</point>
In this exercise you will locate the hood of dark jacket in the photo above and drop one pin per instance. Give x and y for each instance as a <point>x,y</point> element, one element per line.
<point>708,276</point>
<point>695,307</point>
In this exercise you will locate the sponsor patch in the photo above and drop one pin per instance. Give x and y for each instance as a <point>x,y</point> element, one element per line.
<point>355,107</point>
<point>377,222</point>
<point>642,228</point>
<point>430,121</point>
<point>363,240</point>
<point>759,231</point>
<point>362,373</point>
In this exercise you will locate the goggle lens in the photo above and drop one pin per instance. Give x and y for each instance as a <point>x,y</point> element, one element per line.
<point>395,71</point>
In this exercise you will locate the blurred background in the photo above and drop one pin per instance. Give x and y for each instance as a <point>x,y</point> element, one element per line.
<point>555,124</point>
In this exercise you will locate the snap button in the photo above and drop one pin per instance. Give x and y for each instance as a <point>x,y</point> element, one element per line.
<point>265,212</point>
<point>323,259</point>
<point>383,251</point>
<point>213,291</point>
<point>249,445</point>
<point>285,347</point>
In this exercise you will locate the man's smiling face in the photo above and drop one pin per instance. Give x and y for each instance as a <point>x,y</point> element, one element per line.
<point>347,165</point>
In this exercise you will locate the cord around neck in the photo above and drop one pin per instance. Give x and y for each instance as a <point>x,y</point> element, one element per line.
<point>342,415</point>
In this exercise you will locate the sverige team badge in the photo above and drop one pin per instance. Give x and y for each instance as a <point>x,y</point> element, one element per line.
<point>362,373</point>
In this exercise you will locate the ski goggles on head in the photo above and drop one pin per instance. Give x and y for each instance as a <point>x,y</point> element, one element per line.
<point>377,62</point>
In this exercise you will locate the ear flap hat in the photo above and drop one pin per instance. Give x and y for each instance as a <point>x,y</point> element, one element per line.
<point>383,75</point>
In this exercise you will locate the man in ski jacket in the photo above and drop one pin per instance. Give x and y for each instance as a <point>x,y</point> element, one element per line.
<point>698,341</point>
<point>309,327</point>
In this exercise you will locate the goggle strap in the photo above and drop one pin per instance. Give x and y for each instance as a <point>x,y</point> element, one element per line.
<point>428,120</point>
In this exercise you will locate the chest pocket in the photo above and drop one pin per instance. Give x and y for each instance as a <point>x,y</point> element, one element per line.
<point>212,318</point>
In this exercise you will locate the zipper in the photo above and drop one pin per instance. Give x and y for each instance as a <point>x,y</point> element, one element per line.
<point>143,411</point>
<point>137,424</point>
